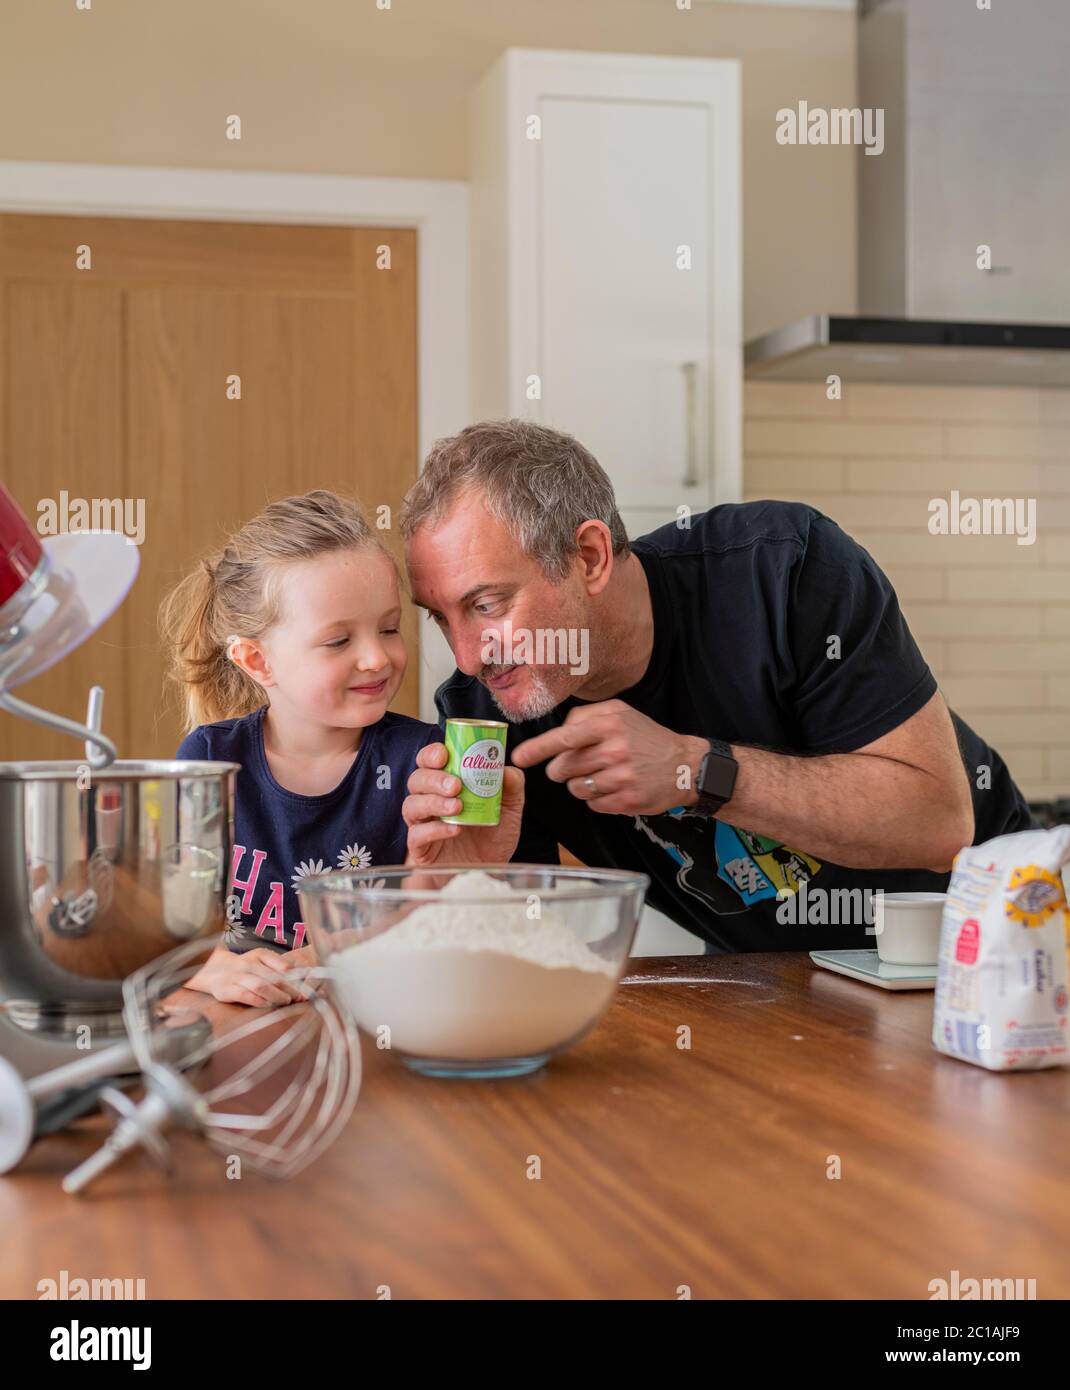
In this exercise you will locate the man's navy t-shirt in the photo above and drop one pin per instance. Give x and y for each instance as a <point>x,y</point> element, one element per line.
<point>747,602</point>
<point>282,836</point>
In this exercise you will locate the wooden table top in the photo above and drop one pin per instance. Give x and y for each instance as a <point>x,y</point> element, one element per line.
<point>660,1167</point>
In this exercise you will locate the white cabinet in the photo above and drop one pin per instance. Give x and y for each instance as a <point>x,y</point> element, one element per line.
<point>605,266</point>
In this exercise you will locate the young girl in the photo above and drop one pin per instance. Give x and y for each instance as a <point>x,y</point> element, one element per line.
<point>287,645</point>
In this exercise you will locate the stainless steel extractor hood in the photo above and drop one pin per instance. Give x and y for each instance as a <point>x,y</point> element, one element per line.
<point>964,215</point>
<point>927,350</point>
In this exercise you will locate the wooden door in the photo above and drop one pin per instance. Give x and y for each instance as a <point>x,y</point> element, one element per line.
<point>113,384</point>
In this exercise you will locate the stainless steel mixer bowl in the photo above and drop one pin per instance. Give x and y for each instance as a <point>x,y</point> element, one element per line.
<point>101,871</point>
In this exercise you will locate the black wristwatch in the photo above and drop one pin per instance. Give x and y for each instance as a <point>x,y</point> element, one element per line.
<point>716,779</point>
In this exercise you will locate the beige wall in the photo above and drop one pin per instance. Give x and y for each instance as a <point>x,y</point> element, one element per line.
<point>337,86</point>
<point>992,617</point>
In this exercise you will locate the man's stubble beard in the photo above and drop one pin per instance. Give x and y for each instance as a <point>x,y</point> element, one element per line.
<point>542,699</point>
<point>539,701</point>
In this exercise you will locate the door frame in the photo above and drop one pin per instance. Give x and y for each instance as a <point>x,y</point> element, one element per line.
<point>436,208</point>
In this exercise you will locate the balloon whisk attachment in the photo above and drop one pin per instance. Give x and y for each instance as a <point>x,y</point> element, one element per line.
<point>272,1092</point>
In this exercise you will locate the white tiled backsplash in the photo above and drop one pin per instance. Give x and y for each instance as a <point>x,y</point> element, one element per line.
<point>992,617</point>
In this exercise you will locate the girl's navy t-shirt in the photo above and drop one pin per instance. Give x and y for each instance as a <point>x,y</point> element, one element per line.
<point>281,837</point>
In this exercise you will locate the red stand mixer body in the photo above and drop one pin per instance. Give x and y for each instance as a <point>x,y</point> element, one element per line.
<point>21,552</point>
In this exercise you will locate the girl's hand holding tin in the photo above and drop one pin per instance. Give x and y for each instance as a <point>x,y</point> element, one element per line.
<point>433,793</point>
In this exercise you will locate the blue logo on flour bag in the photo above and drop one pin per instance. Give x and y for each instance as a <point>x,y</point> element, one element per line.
<point>730,870</point>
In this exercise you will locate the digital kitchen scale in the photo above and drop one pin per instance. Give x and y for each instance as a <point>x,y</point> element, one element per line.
<point>868,967</point>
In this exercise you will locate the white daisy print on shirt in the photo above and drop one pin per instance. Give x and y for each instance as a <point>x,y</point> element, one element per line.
<point>311,868</point>
<point>354,857</point>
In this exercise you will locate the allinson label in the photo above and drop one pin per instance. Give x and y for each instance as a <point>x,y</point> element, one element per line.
<point>477,757</point>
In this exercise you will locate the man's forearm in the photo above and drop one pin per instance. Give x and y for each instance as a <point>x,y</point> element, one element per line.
<point>854,809</point>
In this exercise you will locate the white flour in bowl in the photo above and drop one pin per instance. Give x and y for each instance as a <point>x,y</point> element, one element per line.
<point>461,981</point>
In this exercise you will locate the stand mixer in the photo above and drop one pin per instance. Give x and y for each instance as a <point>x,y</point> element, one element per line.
<point>113,879</point>
<point>105,865</point>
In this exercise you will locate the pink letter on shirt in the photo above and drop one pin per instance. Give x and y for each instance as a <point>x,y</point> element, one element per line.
<point>248,884</point>
<point>273,916</point>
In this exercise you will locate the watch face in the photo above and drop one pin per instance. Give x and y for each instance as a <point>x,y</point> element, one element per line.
<point>718,776</point>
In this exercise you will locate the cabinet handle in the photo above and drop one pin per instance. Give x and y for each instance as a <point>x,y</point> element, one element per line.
<point>690,370</point>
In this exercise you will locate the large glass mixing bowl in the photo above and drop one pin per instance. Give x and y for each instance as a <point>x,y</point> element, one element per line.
<point>474,970</point>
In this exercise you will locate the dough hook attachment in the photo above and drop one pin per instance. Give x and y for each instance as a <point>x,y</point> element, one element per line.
<point>99,749</point>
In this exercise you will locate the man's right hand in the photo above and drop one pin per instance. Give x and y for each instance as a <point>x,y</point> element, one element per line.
<point>434,793</point>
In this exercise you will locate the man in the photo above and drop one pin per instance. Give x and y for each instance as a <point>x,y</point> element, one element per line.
<point>751,722</point>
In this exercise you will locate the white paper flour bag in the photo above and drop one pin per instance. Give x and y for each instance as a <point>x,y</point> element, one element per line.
<point>1001,991</point>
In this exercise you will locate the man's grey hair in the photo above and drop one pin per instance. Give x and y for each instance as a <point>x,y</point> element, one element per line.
<point>542,484</point>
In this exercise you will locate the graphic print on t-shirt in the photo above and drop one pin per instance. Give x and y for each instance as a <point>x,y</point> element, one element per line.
<point>272,914</point>
<point>729,870</point>
<point>354,857</point>
<point>308,868</point>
